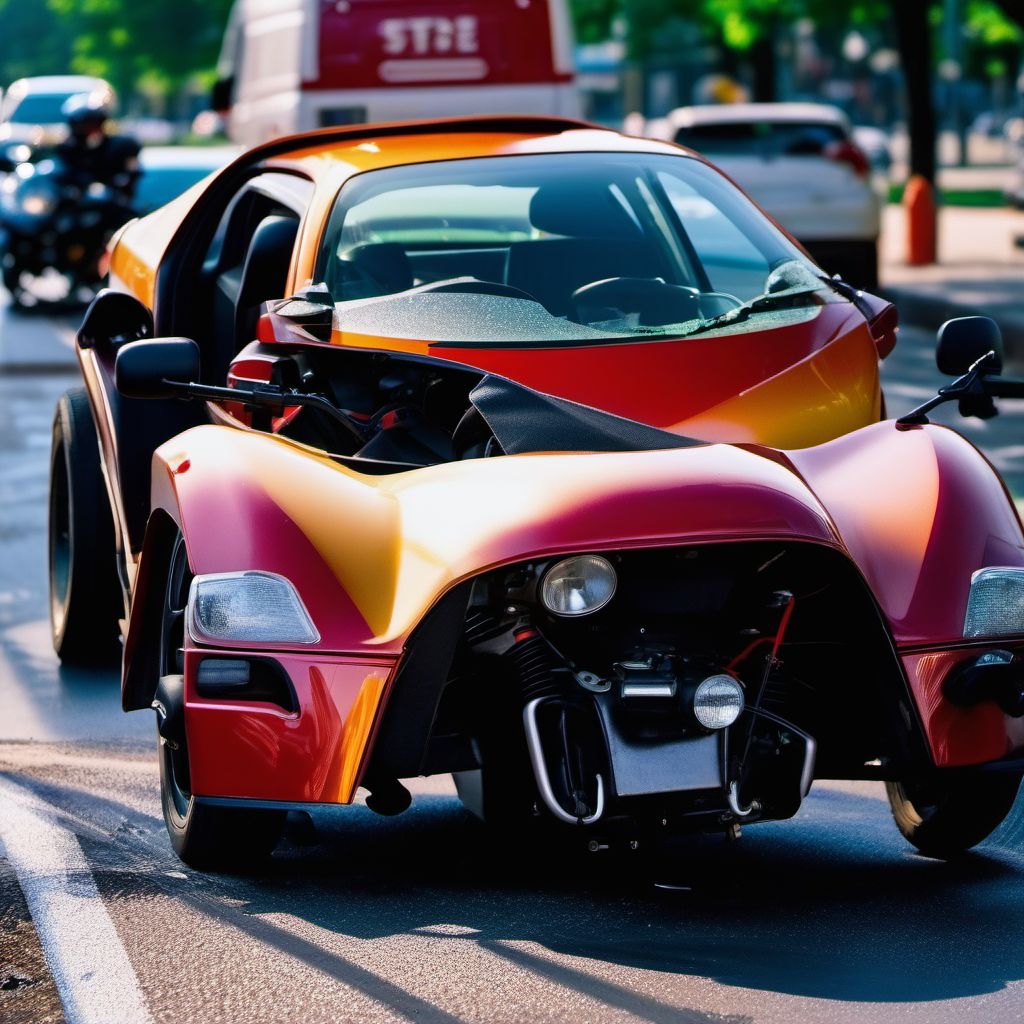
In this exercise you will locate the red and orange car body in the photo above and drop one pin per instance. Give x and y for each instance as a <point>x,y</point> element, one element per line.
<point>811,382</point>
<point>795,453</point>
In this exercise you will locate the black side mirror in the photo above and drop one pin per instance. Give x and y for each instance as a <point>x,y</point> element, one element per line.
<point>222,94</point>
<point>156,369</point>
<point>114,317</point>
<point>963,341</point>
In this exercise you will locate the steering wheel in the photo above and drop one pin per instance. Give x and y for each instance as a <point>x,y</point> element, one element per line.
<point>472,432</point>
<point>655,300</point>
<point>474,286</point>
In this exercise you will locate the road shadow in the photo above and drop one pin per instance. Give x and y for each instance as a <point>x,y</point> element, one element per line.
<point>832,905</point>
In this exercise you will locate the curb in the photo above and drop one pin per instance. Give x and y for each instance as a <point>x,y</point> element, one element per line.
<point>922,309</point>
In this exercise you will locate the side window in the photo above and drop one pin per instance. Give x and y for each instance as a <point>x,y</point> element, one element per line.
<point>732,262</point>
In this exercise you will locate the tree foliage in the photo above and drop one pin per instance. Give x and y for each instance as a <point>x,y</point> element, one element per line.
<point>741,24</point>
<point>153,45</point>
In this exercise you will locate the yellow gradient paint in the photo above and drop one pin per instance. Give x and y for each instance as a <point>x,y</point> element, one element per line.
<point>395,543</point>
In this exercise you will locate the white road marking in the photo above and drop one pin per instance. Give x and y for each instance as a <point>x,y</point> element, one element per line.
<point>95,979</point>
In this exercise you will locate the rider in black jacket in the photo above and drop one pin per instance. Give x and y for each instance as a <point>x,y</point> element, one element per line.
<point>91,155</point>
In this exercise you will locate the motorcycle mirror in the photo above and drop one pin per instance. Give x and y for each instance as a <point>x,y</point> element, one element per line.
<point>158,368</point>
<point>964,340</point>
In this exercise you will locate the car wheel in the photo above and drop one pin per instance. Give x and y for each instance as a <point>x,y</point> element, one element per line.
<point>946,817</point>
<point>84,587</point>
<point>203,836</point>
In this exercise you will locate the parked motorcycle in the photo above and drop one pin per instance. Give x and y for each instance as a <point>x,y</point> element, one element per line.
<point>52,220</point>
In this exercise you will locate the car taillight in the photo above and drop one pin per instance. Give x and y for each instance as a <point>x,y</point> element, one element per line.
<point>847,153</point>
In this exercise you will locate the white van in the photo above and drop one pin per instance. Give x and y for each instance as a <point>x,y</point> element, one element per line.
<point>294,65</point>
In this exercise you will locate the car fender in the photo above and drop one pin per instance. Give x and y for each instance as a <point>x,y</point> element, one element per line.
<point>920,509</point>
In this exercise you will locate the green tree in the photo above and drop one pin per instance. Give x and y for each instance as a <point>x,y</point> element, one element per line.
<point>157,44</point>
<point>153,46</point>
<point>51,40</point>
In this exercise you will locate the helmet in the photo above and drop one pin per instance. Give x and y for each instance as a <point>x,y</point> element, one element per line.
<point>86,111</point>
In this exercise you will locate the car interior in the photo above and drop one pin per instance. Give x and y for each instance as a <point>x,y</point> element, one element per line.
<point>245,263</point>
<point>584,248</point>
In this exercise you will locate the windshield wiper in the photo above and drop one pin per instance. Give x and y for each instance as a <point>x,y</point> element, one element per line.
<point>760,304</point>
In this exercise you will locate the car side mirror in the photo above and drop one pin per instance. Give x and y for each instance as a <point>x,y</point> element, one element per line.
<point>311,308</point>
<point>158,368</point>
<point>114,317</point>
<point>963,341</point>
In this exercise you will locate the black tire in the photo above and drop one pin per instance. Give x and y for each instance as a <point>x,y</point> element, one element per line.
<point>944,818</point>
<point>85,599</point>
<point>204,837</point>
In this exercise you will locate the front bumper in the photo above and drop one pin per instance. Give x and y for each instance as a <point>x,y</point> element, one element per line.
<point>257,750</point>
<point>961,736</point>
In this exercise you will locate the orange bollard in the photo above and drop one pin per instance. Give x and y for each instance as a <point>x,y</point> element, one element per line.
<point>919,203</point>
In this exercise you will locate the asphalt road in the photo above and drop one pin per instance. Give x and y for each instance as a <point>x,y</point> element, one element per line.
<point>828,917</point>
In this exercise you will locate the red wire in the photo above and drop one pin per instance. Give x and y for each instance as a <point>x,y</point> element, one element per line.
<point>775,641</point>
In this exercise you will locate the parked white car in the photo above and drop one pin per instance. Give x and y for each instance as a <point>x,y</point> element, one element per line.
<point>800,163</point>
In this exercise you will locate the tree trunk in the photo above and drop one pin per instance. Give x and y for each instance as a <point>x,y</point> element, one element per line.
<point>915,41</point>
<point>763,61</point>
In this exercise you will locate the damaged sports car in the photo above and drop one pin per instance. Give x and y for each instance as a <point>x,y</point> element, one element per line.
<point>543,483</point>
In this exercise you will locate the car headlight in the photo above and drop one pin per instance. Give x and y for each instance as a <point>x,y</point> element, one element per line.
<point>996,604</point>
<point>248,607</point>
<point>579,585</point>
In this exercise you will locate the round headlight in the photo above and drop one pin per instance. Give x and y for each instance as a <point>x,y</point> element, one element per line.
<point>717,702</point>
<point>578,586</point>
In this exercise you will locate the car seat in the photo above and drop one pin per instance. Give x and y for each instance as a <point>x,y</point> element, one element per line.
<point>600,239</point>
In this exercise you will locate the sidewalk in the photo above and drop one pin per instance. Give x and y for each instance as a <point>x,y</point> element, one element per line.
<point>980,270</point>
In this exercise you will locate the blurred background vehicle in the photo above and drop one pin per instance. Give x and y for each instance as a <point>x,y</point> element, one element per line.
<point>799,161</point>
<point>54,228</point>
<point>875,145</point>
<point>294,65</point>
<point>30,114</point>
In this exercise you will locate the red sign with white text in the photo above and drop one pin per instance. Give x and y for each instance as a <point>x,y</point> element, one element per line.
<point>373,43</point>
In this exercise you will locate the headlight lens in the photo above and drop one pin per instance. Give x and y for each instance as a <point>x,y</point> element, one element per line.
<point>718,701</point>
<point>996,604</point>
<point>248,607</point>
<point>578,586</point>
